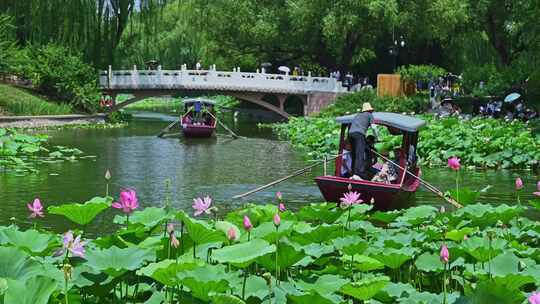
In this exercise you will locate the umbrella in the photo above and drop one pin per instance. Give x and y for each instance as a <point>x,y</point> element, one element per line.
<point>284,69</point>
<point>512,97</point>
<point>266,64</point>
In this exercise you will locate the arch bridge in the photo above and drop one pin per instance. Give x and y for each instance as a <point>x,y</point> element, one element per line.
<point>258,88</point>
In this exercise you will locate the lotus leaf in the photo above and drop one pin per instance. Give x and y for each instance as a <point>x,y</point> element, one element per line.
<point>31,240</point>
<point>226,299</point>
<point>115,261</point>
<point>148,217</point>
<point>166,271</point>
<point>35,290</point>
<point>394,258</point>
<point>429,262</point>
<point>366,288</point>
<point>365,263</point>
<point>287,256</point>
<point>200,232</point>
<point>82,214</point>
<point>225,226</point>
<point>326,286</point>
<point>15,264</point>
<point>417,215</point>
<point>350,245</point>
<point>243,254</point>
<point>480,248</point>
<point>208,278</point>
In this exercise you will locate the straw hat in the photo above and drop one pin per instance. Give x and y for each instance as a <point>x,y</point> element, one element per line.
<point>366,107</point>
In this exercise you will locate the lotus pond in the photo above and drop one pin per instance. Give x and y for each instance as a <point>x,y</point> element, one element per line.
<point>264,254</point>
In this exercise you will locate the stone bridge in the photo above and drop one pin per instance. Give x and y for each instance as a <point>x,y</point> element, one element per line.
<point>271,91</point>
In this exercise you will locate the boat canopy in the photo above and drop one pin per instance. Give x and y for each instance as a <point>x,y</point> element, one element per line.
<point>394,120</point>
<point>208,102</point>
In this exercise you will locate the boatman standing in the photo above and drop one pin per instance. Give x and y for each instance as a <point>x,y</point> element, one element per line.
<point>357,137</point>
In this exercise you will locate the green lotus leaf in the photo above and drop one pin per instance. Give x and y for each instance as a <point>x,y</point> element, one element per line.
<point>350,245</point>
<point>317,250</point>
<point>82,214</point>
<point>481,249</point>
<point>493,292</point>
<point>226,299</point>
<point>457,235</point>
<point>326,286</point>
<point>396,290</point>
<point>255,287</point>
<point>429,262</point>
<point>365,263</point>
<point>385,217</point>
<point>30,240</point>
<point>312,297</point>
<point>287,256</point>
<point>225,226</point>
<point>17,265</point>
<point>366,288</point>
<point>268,232</point>
<point>166,271</point>
<point>417,215</point>
<point>394,258</point>
<point>200,232</point>
<point>327,213</point>
<point>156,298</point>
<point>115,261</point>
<point>318,235</point>
<point>464,195</point>
<point>35,290</point>
<point>243,254</point>
<point>207,279</point>
<point>148,217</point>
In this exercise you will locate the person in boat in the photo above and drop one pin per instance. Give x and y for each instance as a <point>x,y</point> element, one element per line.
<point>371,158</point>
<point>387,174</point>
<point>357,137</point>
<point>346,161</point>
<point>197,108</point>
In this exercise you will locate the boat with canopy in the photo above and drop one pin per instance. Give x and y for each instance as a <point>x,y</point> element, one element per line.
<point>198,119</point>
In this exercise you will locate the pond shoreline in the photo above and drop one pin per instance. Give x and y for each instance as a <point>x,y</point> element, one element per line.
<point>31,122</point>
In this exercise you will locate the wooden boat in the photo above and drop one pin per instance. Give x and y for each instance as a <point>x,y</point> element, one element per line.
<point>198,119</point>
<point>386,196</point>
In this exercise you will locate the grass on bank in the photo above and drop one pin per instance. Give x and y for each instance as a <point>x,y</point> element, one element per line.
<point>15,101</point>
<point>166,105</point>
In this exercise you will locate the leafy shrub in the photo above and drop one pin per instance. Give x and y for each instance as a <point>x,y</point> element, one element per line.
<point>19,102</point>
<point>118,117</point>
<point>420,73</point>
<point>57,72</point>
<point>7,43</point>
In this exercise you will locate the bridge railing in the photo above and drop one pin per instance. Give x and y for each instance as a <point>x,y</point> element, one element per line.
<point>216,80</point>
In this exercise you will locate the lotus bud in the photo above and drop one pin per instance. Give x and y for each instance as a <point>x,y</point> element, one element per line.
<point>174,241</point>
<point>519,184</point>
<point>277,220</point>
<point>279,196</point>
<point>231,234</point>
<point>442,210</point>
<point>107,174</point>
<point>349,187</point>
<point>372,201</point>
<point>268,278</point>
<point>445,255</point>
<point>247,223</point>
<point>170,228</point>
<point>282,207</point>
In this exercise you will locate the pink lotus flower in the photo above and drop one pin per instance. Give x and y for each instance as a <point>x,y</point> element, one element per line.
<point>279,196</point>
<point>75,246</point>
<point>128,201</point>
<point>445,255</point>
<point>453,163</point>
<point>534,298</point>
<point>36,208</point>
<point>281,207</point>
<point>170,228</point>
<point>247,223</point>
<point>231,234</point>
<point>537,193</point>
<point>174,241</point>
<point>202,205</point>
<point>519,184</point>
<point>350,198</point>
<point>277,220</point>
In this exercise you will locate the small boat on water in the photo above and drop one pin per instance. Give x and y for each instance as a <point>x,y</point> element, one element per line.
<point>198,119</point>
<point>386,196</point>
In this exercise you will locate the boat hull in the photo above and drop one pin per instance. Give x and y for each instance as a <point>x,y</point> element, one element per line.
<point>385,196</point>
<point>197,131</point>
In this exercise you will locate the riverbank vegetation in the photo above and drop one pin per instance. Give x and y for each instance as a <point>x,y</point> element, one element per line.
<point>268,254</point>
<point>168,105</point>
<point>479,142</point>
<point>16,101</point>
<point>23,153</point>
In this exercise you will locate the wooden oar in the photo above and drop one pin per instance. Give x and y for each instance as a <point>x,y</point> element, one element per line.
<point>428,186</point>
<point>277,181</point>
<point>164,131</point>
<point>223,125</point>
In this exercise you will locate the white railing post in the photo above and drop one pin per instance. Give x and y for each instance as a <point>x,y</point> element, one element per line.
<point>109,76</point>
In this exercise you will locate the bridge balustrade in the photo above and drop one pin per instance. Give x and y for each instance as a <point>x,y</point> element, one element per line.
<point>216,80</point>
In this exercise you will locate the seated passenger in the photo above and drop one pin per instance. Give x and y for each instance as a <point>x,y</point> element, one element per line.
<point>387,174</point>
<point>346,161</point>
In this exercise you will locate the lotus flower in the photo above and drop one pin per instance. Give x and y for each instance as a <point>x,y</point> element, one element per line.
<point>445,255</point>
<point>453,163</point>
<point>128,201</point>
<point>231,234</point>
<point>279,196</point>
<point>36,208</point>
<point>75,246</point>
<point>350,198</point>
<point>247,223</point>
<point>281,207</point>
<point>202,205</point>
<point>534,298</point>
<point>174,241</point>
<point>519,184</point>
<point>537,193</point>
<point>170,228</point>
<point>277,220</point>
